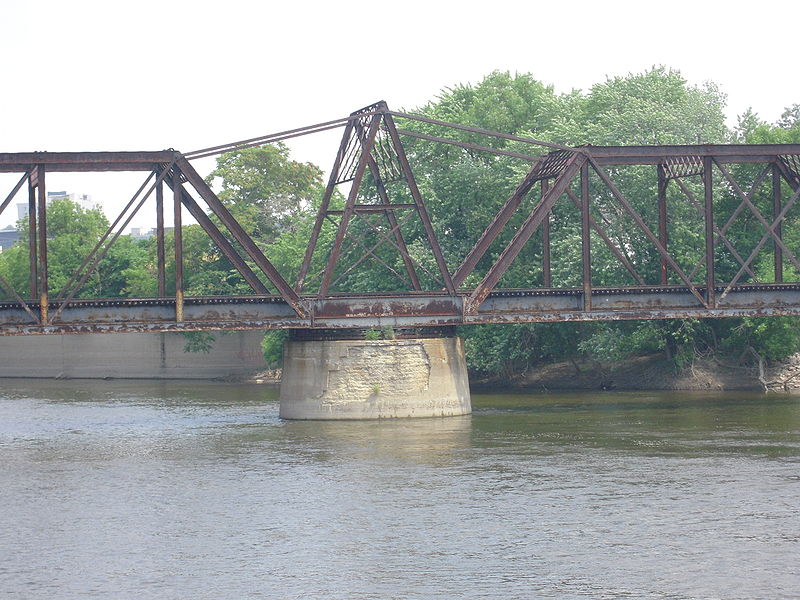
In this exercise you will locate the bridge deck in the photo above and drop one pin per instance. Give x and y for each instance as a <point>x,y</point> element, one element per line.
<point>423,309</point>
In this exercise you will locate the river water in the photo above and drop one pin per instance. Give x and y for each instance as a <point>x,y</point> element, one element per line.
<point>114,489</point>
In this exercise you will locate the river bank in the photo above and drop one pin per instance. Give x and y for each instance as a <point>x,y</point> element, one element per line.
<point>653,372</point>
<point>237,356</point>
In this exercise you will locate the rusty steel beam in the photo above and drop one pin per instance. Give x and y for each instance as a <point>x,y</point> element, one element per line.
<point>719,233</point>
<point>400,245</point>
<point>375,208</point>
<point>370,252</point>
<point>655,155</point>
<point>177,220</point>
<point>160,249</point>
<point>33,258</point>
<point>101,254</point>
<point>708,220</point>
<point>483,304</point>
<point>510,252</point>
<point>41,218</point>
<point>388,211</point>
<point>763,241</point>
<point>497,225</point>
<point>757,213</point>
<point>13,293</point>
<point>663,236</point>
<point>468,146</point>
<point>776,210</point>
<point>382,238</point>
<point>79,271</point>
<point>84,161</point>
<point>241,236</point>
<point>586,239</point>
<point>489,132</point>
<point>267,139</point>
<point>645,229</point>
<point>418,310</point>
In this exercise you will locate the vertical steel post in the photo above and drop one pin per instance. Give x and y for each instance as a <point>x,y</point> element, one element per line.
<point>708,181</point>
<point>777,202</point>
<point>42,224</point>
<point>176,192</point>
<point>33,257</point>
<point>546,277</point>
<point>663,235</point>
<point>160,251</point>
<point>586,249</point>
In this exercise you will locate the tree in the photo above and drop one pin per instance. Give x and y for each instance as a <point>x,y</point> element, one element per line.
<point>73,231</point>
<point>265,189</point>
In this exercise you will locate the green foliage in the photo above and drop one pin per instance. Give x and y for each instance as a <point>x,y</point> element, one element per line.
<point>73,233</point>
<point>266,190</point>
<point>272,346</point>
<point>773,338</point>
<point>507,349</point>
<point>198,341</point>
<point>385,333</point>
<point>654,107</point>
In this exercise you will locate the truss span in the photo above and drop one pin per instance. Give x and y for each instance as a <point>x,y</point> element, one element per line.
<point>579,219</point>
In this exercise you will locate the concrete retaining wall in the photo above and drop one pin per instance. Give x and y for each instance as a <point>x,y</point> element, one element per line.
<point>129,355</point>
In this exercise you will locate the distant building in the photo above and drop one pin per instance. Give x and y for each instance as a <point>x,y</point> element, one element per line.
<point>82,200</point>
<point>8,237</point>
<point>138,233</point>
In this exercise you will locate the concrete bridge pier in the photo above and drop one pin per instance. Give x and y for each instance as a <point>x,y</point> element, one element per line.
<point>329,374</point>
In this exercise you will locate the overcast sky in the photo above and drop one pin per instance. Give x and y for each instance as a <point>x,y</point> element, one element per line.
<point>84,75</point>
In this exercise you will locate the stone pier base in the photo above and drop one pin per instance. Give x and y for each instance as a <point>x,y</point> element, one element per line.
<point>374,379</point>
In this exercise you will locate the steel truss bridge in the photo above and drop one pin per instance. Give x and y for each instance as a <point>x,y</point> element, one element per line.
<point>724,187</point>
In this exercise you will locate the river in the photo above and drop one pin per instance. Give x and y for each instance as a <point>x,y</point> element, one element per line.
<point>137,489</point>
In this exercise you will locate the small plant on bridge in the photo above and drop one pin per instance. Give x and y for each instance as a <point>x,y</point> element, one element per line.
<point>385,333</point>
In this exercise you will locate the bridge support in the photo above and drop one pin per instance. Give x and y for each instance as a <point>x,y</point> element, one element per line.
<point>338,375</point>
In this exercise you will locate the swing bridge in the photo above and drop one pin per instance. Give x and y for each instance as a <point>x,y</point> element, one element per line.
<point>373,203</point>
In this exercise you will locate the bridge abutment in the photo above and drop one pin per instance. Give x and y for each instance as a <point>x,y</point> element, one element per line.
<point>333,375</point>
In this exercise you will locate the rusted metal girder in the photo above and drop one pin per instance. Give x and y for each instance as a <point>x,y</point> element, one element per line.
<point>241,236</point>
<point>539,214</point>
<point>419,310</point>
<point>54,162</point>
<point>656,155</point>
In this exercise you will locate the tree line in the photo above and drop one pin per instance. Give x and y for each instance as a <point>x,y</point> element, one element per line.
<point>276,199</point>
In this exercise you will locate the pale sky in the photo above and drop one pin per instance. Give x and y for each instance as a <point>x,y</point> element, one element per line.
<point>84,75</point>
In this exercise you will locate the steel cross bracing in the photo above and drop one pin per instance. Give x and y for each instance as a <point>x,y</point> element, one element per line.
<point>573,205</point>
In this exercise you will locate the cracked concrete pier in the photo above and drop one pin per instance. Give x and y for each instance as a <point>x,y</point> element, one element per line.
<point>374,379</point>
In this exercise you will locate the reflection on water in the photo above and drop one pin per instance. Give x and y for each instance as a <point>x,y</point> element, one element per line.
<point>176,490</point>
